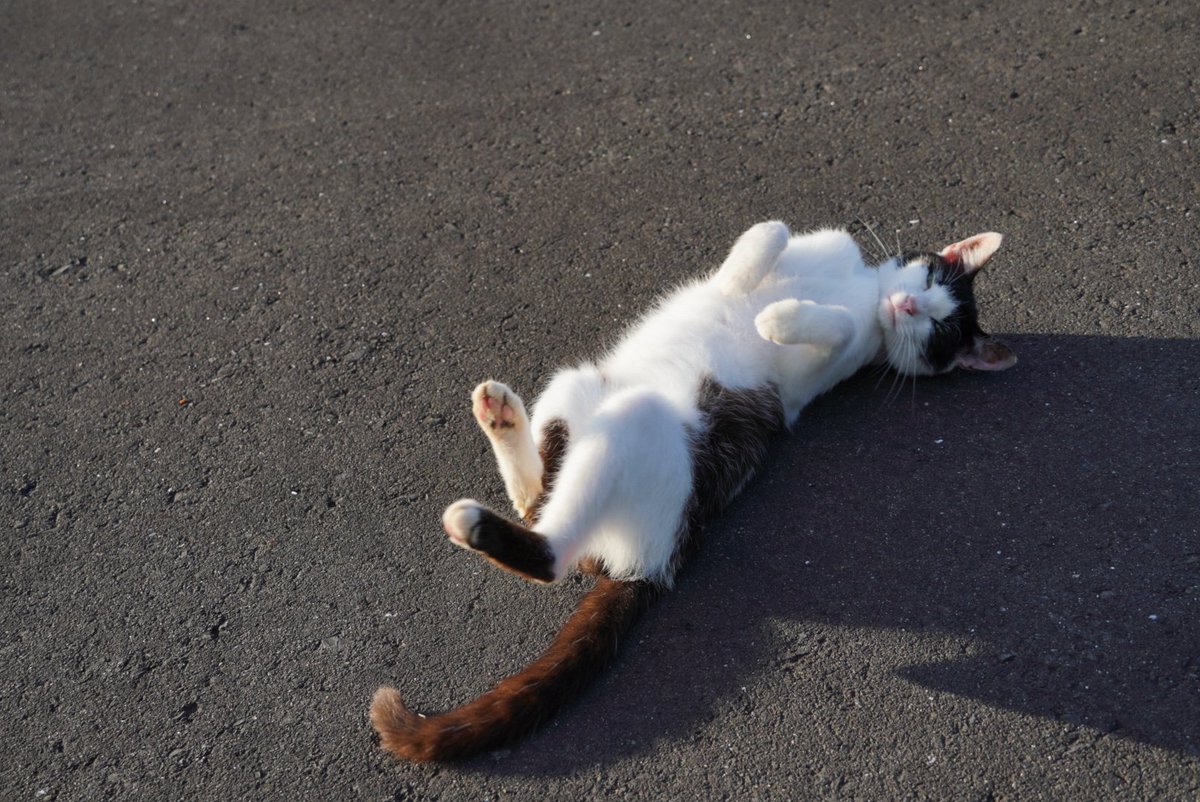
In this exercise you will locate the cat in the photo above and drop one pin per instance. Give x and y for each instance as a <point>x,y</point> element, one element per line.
<point>622,460</point>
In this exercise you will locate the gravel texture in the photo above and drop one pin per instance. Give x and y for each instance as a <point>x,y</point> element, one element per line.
<point>255,256</point>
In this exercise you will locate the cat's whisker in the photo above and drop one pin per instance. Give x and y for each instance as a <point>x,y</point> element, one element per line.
<point>915,350</point>
<point>866,246</point>
<point>890,366</point>
<point>898,378</point>
<point>887,397</point>
<point>907,351</point>
<point>883,248</point>
<point>916,358</point>
<point>914,394</point>
<point>882,369</point>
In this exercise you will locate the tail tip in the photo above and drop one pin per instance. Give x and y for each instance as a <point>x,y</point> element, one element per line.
<point>394,722</point>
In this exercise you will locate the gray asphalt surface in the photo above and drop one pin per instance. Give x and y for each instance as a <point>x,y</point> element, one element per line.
<point>255,256</point>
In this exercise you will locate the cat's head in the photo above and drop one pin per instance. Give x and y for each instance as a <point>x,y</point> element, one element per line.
<point>928,315</point>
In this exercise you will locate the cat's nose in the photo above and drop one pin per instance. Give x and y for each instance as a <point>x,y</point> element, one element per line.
<point>906,304</point>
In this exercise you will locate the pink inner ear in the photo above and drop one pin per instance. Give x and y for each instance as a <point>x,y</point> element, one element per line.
<point>973,252</point>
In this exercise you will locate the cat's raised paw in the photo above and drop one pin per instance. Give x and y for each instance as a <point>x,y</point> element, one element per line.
<point>510,546</point>
<point>497,408</point>
<point>793,321</point>
<point>460,520</point>
<point>778,322</point>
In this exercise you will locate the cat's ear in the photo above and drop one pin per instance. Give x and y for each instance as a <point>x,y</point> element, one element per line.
<point>986,354</point>
<point>973,252</point>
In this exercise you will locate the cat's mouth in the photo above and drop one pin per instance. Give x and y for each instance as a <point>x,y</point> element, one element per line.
<point>889,309</point>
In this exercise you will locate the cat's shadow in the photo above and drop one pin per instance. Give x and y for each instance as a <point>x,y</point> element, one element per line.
<point>1043,519</point>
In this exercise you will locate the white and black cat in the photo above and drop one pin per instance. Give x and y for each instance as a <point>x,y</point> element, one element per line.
<point>623,459</point>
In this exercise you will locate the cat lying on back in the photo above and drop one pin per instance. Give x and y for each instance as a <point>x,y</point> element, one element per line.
<point>623,459</point>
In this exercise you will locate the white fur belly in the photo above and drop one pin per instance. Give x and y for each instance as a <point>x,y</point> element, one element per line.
<point>623,486</point>
<point>696,334</point>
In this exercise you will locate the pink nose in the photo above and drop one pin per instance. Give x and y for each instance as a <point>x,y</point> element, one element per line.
<point>907,304</point>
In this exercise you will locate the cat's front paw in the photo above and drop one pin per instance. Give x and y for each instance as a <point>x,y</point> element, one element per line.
<point>794,322</point>
<point>779,321</point>
<point>497,409</point>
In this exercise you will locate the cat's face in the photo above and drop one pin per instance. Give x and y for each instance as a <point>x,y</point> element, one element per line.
<point>928,315</point>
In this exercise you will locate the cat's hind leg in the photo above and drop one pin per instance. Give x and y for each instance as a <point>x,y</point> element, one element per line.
<point>620,492</point>
<point>501,415</point>
<point>509,545</point>
<point>625,479</point>
<point>752,257</point>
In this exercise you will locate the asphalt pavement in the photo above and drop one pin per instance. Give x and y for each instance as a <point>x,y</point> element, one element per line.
<point>256,255</point>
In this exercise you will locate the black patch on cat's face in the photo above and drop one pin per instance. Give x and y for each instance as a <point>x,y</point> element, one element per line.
<point>958,331</point>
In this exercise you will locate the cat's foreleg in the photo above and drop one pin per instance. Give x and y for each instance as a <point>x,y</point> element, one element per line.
<point>501,415</point>
<point>752,257</point>
<point>796,322</point>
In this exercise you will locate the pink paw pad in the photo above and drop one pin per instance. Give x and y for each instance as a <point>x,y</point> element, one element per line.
<point>493,412</point>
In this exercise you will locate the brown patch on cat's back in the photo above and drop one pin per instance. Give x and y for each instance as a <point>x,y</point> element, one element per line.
<point>554,446</point>
<point>729,445</point>
<point>592,565</point>
<point>552,449</point>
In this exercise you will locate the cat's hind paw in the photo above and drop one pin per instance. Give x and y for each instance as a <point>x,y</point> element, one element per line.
<point>460,519</point>
<point>501,415</point>
<point>510,546</point>
<point>497,409</point>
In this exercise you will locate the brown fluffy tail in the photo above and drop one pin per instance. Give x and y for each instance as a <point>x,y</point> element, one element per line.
<point>584,646</point>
